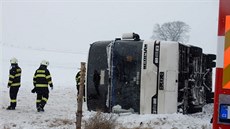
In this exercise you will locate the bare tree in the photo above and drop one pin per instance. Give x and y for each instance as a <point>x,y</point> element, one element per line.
<point>171,31</point>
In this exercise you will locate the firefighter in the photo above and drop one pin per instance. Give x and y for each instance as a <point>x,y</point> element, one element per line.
<point>41,80</point>
<point>78,79</point>
<point>14,83</point>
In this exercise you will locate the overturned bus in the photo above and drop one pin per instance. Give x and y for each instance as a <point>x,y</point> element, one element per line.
<point>148,77</point>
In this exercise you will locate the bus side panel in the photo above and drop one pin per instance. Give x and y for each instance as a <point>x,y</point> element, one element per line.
<point>148,79</point>
<point>171,91</point>
<point>168,72</point>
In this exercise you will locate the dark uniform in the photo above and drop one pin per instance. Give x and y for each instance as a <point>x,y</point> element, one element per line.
<point>41,80</point>
<point>14,83</point>
<point>78,79</point>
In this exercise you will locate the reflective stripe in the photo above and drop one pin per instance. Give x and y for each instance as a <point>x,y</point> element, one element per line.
<point>227,57</point>
<point>49,82</point>
<point>40,75</point>
<point>45,99</point>
<point>18,70</point>
<point>226,70</point>
<point>15,84</point>
<point>41,85</point>
<point>226,76</point>
<point>13,100</point>
<point>11,76</point>
<point>38,101</point>
<point>47,77</point>
<point>10,81</point>
<point>41,71</point>
<point>227,24</point>
<point>17,75</point>
<point>78,80</point>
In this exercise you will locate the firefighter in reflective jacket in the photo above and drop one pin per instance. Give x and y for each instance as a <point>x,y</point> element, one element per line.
<point>41,80</point>
<point>14,83</point>
<point>78,79</point>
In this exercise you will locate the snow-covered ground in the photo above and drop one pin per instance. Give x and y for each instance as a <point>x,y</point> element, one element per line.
<point>62,105</point>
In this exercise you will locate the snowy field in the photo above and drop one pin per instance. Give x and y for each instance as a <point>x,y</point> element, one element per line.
<point>62,105</point>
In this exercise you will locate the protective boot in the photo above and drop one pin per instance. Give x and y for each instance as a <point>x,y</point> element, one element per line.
<point>40,108</point>
<point>10,108</point>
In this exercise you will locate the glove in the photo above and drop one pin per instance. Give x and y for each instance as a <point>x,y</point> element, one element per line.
<point>51,88</point>
<point>33,90</point>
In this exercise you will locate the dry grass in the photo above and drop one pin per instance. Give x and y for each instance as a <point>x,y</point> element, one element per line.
<point>136,128</point>
<point>9,126</point>
<point>101,121</point>
<point>60,122</point>
<point>5,127</point>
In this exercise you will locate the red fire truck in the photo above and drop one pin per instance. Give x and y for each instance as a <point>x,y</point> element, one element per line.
<point>221,117</point>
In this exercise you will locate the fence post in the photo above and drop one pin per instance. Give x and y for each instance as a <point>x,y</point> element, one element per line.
<point>80,96</point>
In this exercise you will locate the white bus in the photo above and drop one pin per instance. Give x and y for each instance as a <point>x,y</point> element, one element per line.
<point>148,77</point>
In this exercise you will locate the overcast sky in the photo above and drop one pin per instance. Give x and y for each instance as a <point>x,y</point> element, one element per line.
<point>30,29</point>
<point>71,25</point>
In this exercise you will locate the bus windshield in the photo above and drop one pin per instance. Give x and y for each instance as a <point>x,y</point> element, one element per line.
<point>126,71</point>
